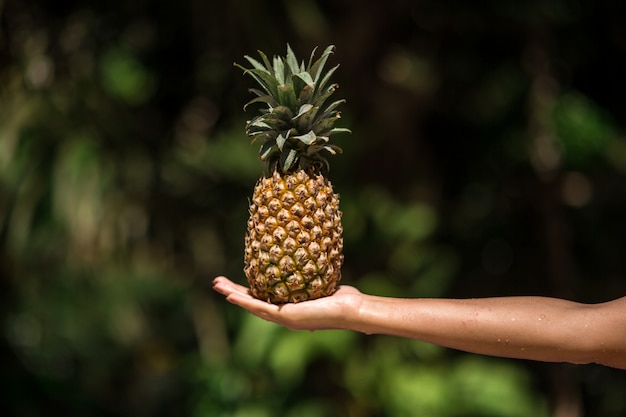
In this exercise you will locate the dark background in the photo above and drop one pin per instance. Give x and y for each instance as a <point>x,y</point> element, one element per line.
<point>488,158</point>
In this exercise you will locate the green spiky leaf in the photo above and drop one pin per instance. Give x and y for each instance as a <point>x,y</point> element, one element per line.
<point>286,95</point>
<point>287,159</point>
<point>308,138</point>
<point>340,130</point>
<point>266,150</point>
<point>303,110</point>
<point>292,61</point>
<point>267,99</point>
<point>294,131</point>
<point>280,141</point>
<point>256,64</point>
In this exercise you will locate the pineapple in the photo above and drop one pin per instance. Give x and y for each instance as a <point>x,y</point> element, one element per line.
<point>293,244</point>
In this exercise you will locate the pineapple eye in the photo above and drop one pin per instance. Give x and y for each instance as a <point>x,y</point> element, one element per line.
<point>261,281</point>
<point>293,227</point>
<point>301,256</point>
<point>307,222</point>
<point>304,238</point>
<point>331,269</point>
<point>291,182</point>
<point>309,269</point>
<point>287,264</point>
<point>283,216</point>
<point>317,232</point>
<point>310,204</point>
<point>273,274</point>
<point>289,245</point>
<point>281,290</point>
<point>276,254</point>
<point>266,242</point>
<point>319,214</point>
<point>263,212</point>
<point>266,197</point>
<point>279,187</point>
<point>314,249</point>
<point>322,262</point>
<point>271,224</point>
<point>335,254</point>
<point>321,198</point>
<point>299,296</point>
<point>316,284</point>
<point>273,206</point>
<point>297,210</point>
<point>288,198</point>
<point>264,259</point>
<point>313,187</point>
<point>301,192</point>
<point>279,235</point>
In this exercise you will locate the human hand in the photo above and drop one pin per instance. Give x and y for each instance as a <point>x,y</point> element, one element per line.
<point>333,312</point>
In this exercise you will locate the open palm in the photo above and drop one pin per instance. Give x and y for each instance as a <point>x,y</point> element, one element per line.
<point>332,312</point>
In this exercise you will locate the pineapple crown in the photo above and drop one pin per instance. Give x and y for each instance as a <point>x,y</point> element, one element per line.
<point>293,131</point>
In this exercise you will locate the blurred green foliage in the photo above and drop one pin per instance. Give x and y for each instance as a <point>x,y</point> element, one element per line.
<point>488,158</point>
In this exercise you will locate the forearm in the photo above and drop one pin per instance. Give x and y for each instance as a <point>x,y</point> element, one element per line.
<point>535,328</point>
<point>545,329</point>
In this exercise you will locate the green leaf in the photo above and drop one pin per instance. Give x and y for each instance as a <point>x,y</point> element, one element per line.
<point>305,121</point>
<point>286,95</point>
<point>256,64</point>
<point>319,100</point>
<point>333,149</point>
<point>320,86</point>
<point>303,109</point>
<point>306,77</point>
<point>313,149</point>
<point>333,106</point>
<point>256,91</point>
<point>265,61</point>
<point>318,67</point>
<point>283,112</point>
<point>265,80</point>
<point>292,61</point>
<point>251,132</point>
<point>288,159</point>
<point>340,130</point>
<point>311,58</point>
<point>279,70</point>
<point>280,141</point>
<point>269,100</point>
<point>307,138</point>
<point>306,93</point>
<point>259,123</point>
<point>266,150</point>
<point>324,125</point>
<point>264,137</point>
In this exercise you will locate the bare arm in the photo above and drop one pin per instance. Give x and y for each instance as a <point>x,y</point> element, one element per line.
<point>537,328</point>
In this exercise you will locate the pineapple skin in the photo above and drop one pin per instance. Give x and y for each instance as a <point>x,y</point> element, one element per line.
<point>293,244</point>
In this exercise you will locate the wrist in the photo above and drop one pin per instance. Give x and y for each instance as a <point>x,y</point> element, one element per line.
<point>364,319</point>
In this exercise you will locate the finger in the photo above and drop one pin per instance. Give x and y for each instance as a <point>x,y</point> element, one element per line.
<point>255,306</point>
<point>250,303</point>
<point>225,286</point>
